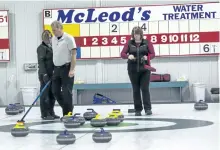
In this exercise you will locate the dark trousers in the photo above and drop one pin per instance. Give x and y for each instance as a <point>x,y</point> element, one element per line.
<point>140,82</point>
<point>47,100</point>
<point>62,88</point>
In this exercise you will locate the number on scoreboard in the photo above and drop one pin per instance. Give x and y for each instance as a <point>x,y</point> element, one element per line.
<point>4,55</point>
<point>3,19</point>
<point>144,27</point>
<point>114,28</point>
<point>209,48</point>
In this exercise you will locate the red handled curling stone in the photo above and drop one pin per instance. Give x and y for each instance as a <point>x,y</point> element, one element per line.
<point>90,114</point>
<point>201,105</point>
<point>102,136</point>
<point>66,138</point>
<point>12,109</point>
<point>72,122</point>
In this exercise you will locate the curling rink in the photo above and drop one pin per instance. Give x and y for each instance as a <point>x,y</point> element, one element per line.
<point>171,127</point>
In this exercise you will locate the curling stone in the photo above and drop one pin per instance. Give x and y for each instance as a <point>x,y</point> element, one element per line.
<point>119,114</point>
<point>80,118</point>
<point>90,114</point>
<point>102,136</point>
<point>19,130</point>
<point>201,105</point>
<point>21,108</point>
<point>98,121</point>
<point>113,120</point>
<point>65,138</point>
<point>72,122</point>
<point>12,109</point>
<point>64,118</point>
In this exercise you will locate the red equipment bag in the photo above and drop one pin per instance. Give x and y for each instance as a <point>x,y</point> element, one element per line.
<point>148,67</point>
<point>159,77</point>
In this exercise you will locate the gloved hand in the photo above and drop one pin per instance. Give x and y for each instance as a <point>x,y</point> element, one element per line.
<point>45,78</point>
<point>131,57</point>
<point>145,57</point>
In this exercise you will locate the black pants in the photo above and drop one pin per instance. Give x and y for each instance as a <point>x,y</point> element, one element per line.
<point>140,82</point>
<point>47,100</point>
<point>62,88</point>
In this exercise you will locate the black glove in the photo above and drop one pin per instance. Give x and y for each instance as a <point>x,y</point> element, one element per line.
<point>45,78</point>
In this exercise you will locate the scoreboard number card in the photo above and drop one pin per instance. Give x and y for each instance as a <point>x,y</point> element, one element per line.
<point>174,30</point>
<point>4,37</point>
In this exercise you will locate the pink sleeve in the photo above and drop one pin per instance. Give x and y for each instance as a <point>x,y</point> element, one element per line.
<point>124,51</point>
<point>151,50</point>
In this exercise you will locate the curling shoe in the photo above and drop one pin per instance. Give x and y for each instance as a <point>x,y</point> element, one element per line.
<point>56,117</point>
<point>148,112</point>
<point>48,117</point>
<point>138,113</point>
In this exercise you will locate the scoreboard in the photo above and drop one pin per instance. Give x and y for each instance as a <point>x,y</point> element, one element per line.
<point>175,30</point>
<point>4,37</point>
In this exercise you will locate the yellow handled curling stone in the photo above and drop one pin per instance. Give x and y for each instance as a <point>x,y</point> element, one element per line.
<point>119,114</point>
<point>66,117</point>
<point>98,121</point>
<point>113,120</point>
<point>20,130</point>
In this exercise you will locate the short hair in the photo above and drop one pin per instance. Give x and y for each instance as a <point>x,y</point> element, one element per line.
<point>57,24</point>
<point>46,35</point>
<point>137,30</point>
